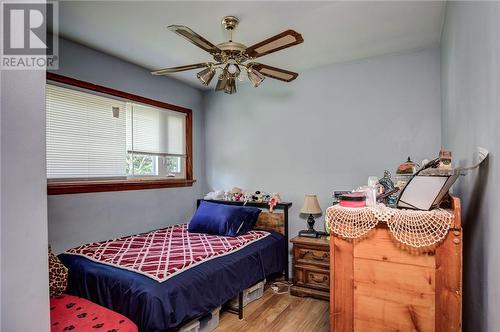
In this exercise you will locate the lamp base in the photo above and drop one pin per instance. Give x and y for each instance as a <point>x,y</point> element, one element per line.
<point>309,233</point>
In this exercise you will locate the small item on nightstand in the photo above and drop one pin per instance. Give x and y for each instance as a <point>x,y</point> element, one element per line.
<point>444,159</point>
<point>355,199</point>
<point>386,182</point>
<point>392,200</point>
<point>337,194</point>
<point>327,229</point>
<point>311,207</point>
<point>371,191</point>
<point>405,172</point>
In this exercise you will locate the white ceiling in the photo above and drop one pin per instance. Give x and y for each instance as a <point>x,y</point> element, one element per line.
<point>333,31</point>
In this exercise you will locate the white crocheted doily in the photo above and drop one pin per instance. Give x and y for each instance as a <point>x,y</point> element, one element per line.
<point>414,228</point>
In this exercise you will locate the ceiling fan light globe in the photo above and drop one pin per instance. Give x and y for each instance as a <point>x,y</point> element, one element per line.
<point>230,87</point>
<point>205,76</point>
<point>233,69</point>
<point>227,88</point>
<point>221,83</point>
<point>255,77</point>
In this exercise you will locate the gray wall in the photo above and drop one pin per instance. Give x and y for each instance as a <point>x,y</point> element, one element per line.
<point>82,218</point>
<point>23,253</point>
<point>329,130</point>
<point>471,117</point>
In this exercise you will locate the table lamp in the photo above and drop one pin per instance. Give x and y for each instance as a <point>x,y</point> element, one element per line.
<point>310,207</point>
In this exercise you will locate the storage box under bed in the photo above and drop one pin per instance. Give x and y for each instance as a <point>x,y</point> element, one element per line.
<point>207,323</point>
<point>250,294</point>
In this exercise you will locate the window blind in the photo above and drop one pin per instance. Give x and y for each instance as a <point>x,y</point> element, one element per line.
<point>154,131</point>
<point>84,139</point>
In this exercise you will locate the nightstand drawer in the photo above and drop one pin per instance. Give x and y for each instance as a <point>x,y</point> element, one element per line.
<point>311,278</point>
<point>304,255</point>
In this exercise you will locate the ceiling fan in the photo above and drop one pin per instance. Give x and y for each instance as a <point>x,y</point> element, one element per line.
<point>231,57</point>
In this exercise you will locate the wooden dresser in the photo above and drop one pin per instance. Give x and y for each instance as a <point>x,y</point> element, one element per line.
<point>378,286</point>
<point>311,267</point>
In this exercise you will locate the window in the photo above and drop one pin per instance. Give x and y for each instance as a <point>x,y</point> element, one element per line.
<point>98,141</point>
<point>155,142</point>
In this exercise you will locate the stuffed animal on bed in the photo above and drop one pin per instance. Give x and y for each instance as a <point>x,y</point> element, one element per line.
<point>258,197</point>
<point>275,199</point>
<point>237,194</point>
<point>247,197</point>
<point>215,195</point>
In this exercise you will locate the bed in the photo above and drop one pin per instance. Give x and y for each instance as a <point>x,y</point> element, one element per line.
<point>161,305</point>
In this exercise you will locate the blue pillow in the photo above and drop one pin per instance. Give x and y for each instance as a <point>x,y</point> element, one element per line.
<point>221,219</point>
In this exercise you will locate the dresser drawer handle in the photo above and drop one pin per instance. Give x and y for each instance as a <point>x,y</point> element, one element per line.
<point>316,257</point>
<point>322,257</point>
<point>313,278</point>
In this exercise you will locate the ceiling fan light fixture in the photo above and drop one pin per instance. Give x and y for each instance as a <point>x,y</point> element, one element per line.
<point>233,69</point>
<point>221,83</point>
<point>255,77</point>
<point>232,58</point>
<point>230,87</point>
<point>206,75</point>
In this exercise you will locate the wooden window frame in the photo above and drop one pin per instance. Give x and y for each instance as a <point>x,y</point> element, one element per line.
<point>55,187</point>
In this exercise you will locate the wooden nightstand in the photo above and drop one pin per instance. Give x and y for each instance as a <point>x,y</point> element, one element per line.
<point>311,267</point>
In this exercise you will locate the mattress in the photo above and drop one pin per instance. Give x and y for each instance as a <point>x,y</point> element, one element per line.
<point>159,306</point>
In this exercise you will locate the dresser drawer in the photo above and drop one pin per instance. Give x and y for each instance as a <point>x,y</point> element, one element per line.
<point>311,278</point>
<point>309,256</point>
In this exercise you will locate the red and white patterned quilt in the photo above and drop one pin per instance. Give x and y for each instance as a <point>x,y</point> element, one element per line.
<point>166,252</point>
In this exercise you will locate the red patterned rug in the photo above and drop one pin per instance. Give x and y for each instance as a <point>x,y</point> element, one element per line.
<point>166,252</point>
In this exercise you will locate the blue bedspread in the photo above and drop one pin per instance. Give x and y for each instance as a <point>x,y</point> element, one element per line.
<point>155,306</point>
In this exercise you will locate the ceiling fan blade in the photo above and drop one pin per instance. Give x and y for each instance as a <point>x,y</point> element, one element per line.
<point>273,72</point>
<point>280,41</point>
<point>180,68</point>
<point>194,38</point>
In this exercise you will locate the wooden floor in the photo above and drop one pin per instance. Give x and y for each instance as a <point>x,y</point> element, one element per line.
<point>275,312</point>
